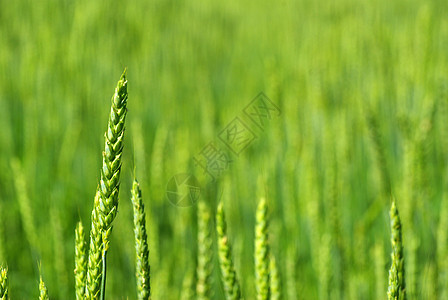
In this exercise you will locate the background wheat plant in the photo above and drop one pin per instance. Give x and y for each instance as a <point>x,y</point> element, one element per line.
<point>262,256</point>
<point>142,271</point>
<point>229,277</point>
<point>397,288</point>
<point>205,252</point>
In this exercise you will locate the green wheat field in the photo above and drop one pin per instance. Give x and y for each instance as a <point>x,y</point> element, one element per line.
<point>311,138</point>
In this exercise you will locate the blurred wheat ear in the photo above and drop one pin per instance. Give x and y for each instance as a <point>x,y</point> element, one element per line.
<point>142,271</point>
<point>229,278</point>
<point>262,252</point>
<point>205,253</point>
<point>4,284</point>
<point>396,288</point>
<point>106,199</point>
<point>43,292</point>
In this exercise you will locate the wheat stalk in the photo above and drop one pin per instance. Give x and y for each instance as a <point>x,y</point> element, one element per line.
<point>205,253</point>
<point>396,288</point>
<point>262,251</point>
<point>80,261</point>
<point>4,284</point>
<point>230,280</point>
<point>141,244</point>
<point>106,200</point>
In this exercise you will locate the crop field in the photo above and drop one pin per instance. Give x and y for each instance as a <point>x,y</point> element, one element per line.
<point>249,150</point>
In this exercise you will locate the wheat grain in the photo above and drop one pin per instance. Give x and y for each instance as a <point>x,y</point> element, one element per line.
<point>141,244</point>
<point>229,278</point>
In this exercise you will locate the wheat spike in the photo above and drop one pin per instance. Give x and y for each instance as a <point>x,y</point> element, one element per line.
<point>229,278</point>
<point>4,284</point>
<point>205,253</point>
<point>106,199</point>
<point>141,244</point>
<point>113,149</point>
<point>262,251</point>
<point>80,261</point>
<point>43,292</point>
<point>396,288</point>
<point>94,262</point>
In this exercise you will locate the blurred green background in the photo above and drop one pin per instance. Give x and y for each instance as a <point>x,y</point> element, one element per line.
<point>362,87</point>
